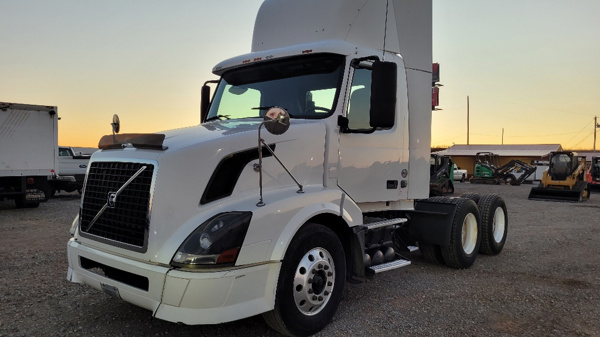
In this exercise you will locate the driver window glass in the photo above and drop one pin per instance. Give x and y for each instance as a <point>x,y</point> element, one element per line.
<point>360,100</point>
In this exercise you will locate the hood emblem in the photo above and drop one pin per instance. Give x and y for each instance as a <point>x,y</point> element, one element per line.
<point>112,199</point>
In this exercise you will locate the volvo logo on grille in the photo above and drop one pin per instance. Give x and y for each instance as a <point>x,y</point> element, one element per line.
<point>112,199</point>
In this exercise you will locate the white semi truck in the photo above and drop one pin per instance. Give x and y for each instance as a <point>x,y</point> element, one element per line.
<point>28,152</point>
<point>226,220</point>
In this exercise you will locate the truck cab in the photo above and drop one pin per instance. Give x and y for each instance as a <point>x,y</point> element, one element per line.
<point>224,220</point>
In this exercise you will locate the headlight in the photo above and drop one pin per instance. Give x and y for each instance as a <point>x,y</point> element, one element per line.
<point>216,241</point>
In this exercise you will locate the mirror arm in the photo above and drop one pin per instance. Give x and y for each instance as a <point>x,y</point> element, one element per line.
<point>261,144</point>
<point>276,121</point>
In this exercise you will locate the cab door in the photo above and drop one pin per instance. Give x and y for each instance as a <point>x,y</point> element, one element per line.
<point>370,163</point>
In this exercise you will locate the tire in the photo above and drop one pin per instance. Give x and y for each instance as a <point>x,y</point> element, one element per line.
<point>438,199</point>
<point>432,253</point>
<point>473,196</point>
<point>463,178</point>
<point>305,304</point>
<point>465,235</point>
<point>494,224</point>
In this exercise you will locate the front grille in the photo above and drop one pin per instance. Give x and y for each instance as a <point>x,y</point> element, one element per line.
<point>124,223</point>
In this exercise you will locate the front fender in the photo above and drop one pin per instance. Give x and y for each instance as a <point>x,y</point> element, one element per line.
<point>328,202</point>
<point>274,225</point>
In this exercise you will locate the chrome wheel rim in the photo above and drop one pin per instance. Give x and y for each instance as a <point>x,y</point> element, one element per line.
<point>314,281</point>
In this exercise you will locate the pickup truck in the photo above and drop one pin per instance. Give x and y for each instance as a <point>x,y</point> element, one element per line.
<point>71,171</point>
<point>459,175</point>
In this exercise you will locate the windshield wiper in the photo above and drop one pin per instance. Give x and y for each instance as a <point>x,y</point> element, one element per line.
<point>219,117</point>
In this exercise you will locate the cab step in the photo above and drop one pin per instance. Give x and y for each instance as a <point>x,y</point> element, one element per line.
<point>384,223</point>
<point>380,268</point>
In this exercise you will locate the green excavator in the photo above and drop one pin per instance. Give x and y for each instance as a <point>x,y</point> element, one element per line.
<point>488,170</point>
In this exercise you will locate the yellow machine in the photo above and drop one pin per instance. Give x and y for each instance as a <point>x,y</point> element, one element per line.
<point>563,180</point>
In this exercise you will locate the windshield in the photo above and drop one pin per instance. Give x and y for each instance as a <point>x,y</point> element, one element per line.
<point>306,86</point>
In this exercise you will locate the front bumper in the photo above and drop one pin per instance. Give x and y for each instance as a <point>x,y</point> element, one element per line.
<point>203,297</point>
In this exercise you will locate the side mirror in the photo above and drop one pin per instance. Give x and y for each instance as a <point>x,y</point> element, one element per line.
<point>204,102</point>
<point>277,120</point>
<point>383,94</point>
<point>116,124</point>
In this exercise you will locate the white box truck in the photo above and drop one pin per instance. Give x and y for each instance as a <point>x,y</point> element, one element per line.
<point>28,152</point>
<point>226,220</point>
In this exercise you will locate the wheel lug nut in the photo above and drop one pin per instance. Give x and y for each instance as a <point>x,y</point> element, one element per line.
<point>326,293</point>
<point>329,273</point>
<point>310,291</point>
<point>326,267</point>
<point>320,298</point>
<point>320,266</point>
<point>309,280</point>
<point>314,271</point>
<point>330,283</point>
<point>314,298</point>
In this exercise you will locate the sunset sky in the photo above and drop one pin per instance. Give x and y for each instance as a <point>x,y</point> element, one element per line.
<point>528,66</point>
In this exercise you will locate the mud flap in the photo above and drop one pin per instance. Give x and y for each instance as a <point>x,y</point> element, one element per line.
<point>431,222</point>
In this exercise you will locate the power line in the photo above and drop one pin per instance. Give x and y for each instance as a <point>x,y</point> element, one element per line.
<point>547,135</point>
<point>579,132</point>
<point>584,139</point>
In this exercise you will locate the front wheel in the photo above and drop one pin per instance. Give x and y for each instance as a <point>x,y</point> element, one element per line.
<point>311,282</point>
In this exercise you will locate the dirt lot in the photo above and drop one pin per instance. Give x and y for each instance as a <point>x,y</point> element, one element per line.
<point>546,282</point>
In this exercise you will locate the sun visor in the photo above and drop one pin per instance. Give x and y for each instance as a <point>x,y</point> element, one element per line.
<point>151,141</point>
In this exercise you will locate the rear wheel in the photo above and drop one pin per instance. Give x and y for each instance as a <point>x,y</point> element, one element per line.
<point>311,282</point>
<point>464,236</point>
<point>494,224</point>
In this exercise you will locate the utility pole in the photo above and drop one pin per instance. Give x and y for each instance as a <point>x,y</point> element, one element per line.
<point>468,120</point>
<point>596,126</point>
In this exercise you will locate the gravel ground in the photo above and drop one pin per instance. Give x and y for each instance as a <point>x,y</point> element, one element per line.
<point>546,282</point>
